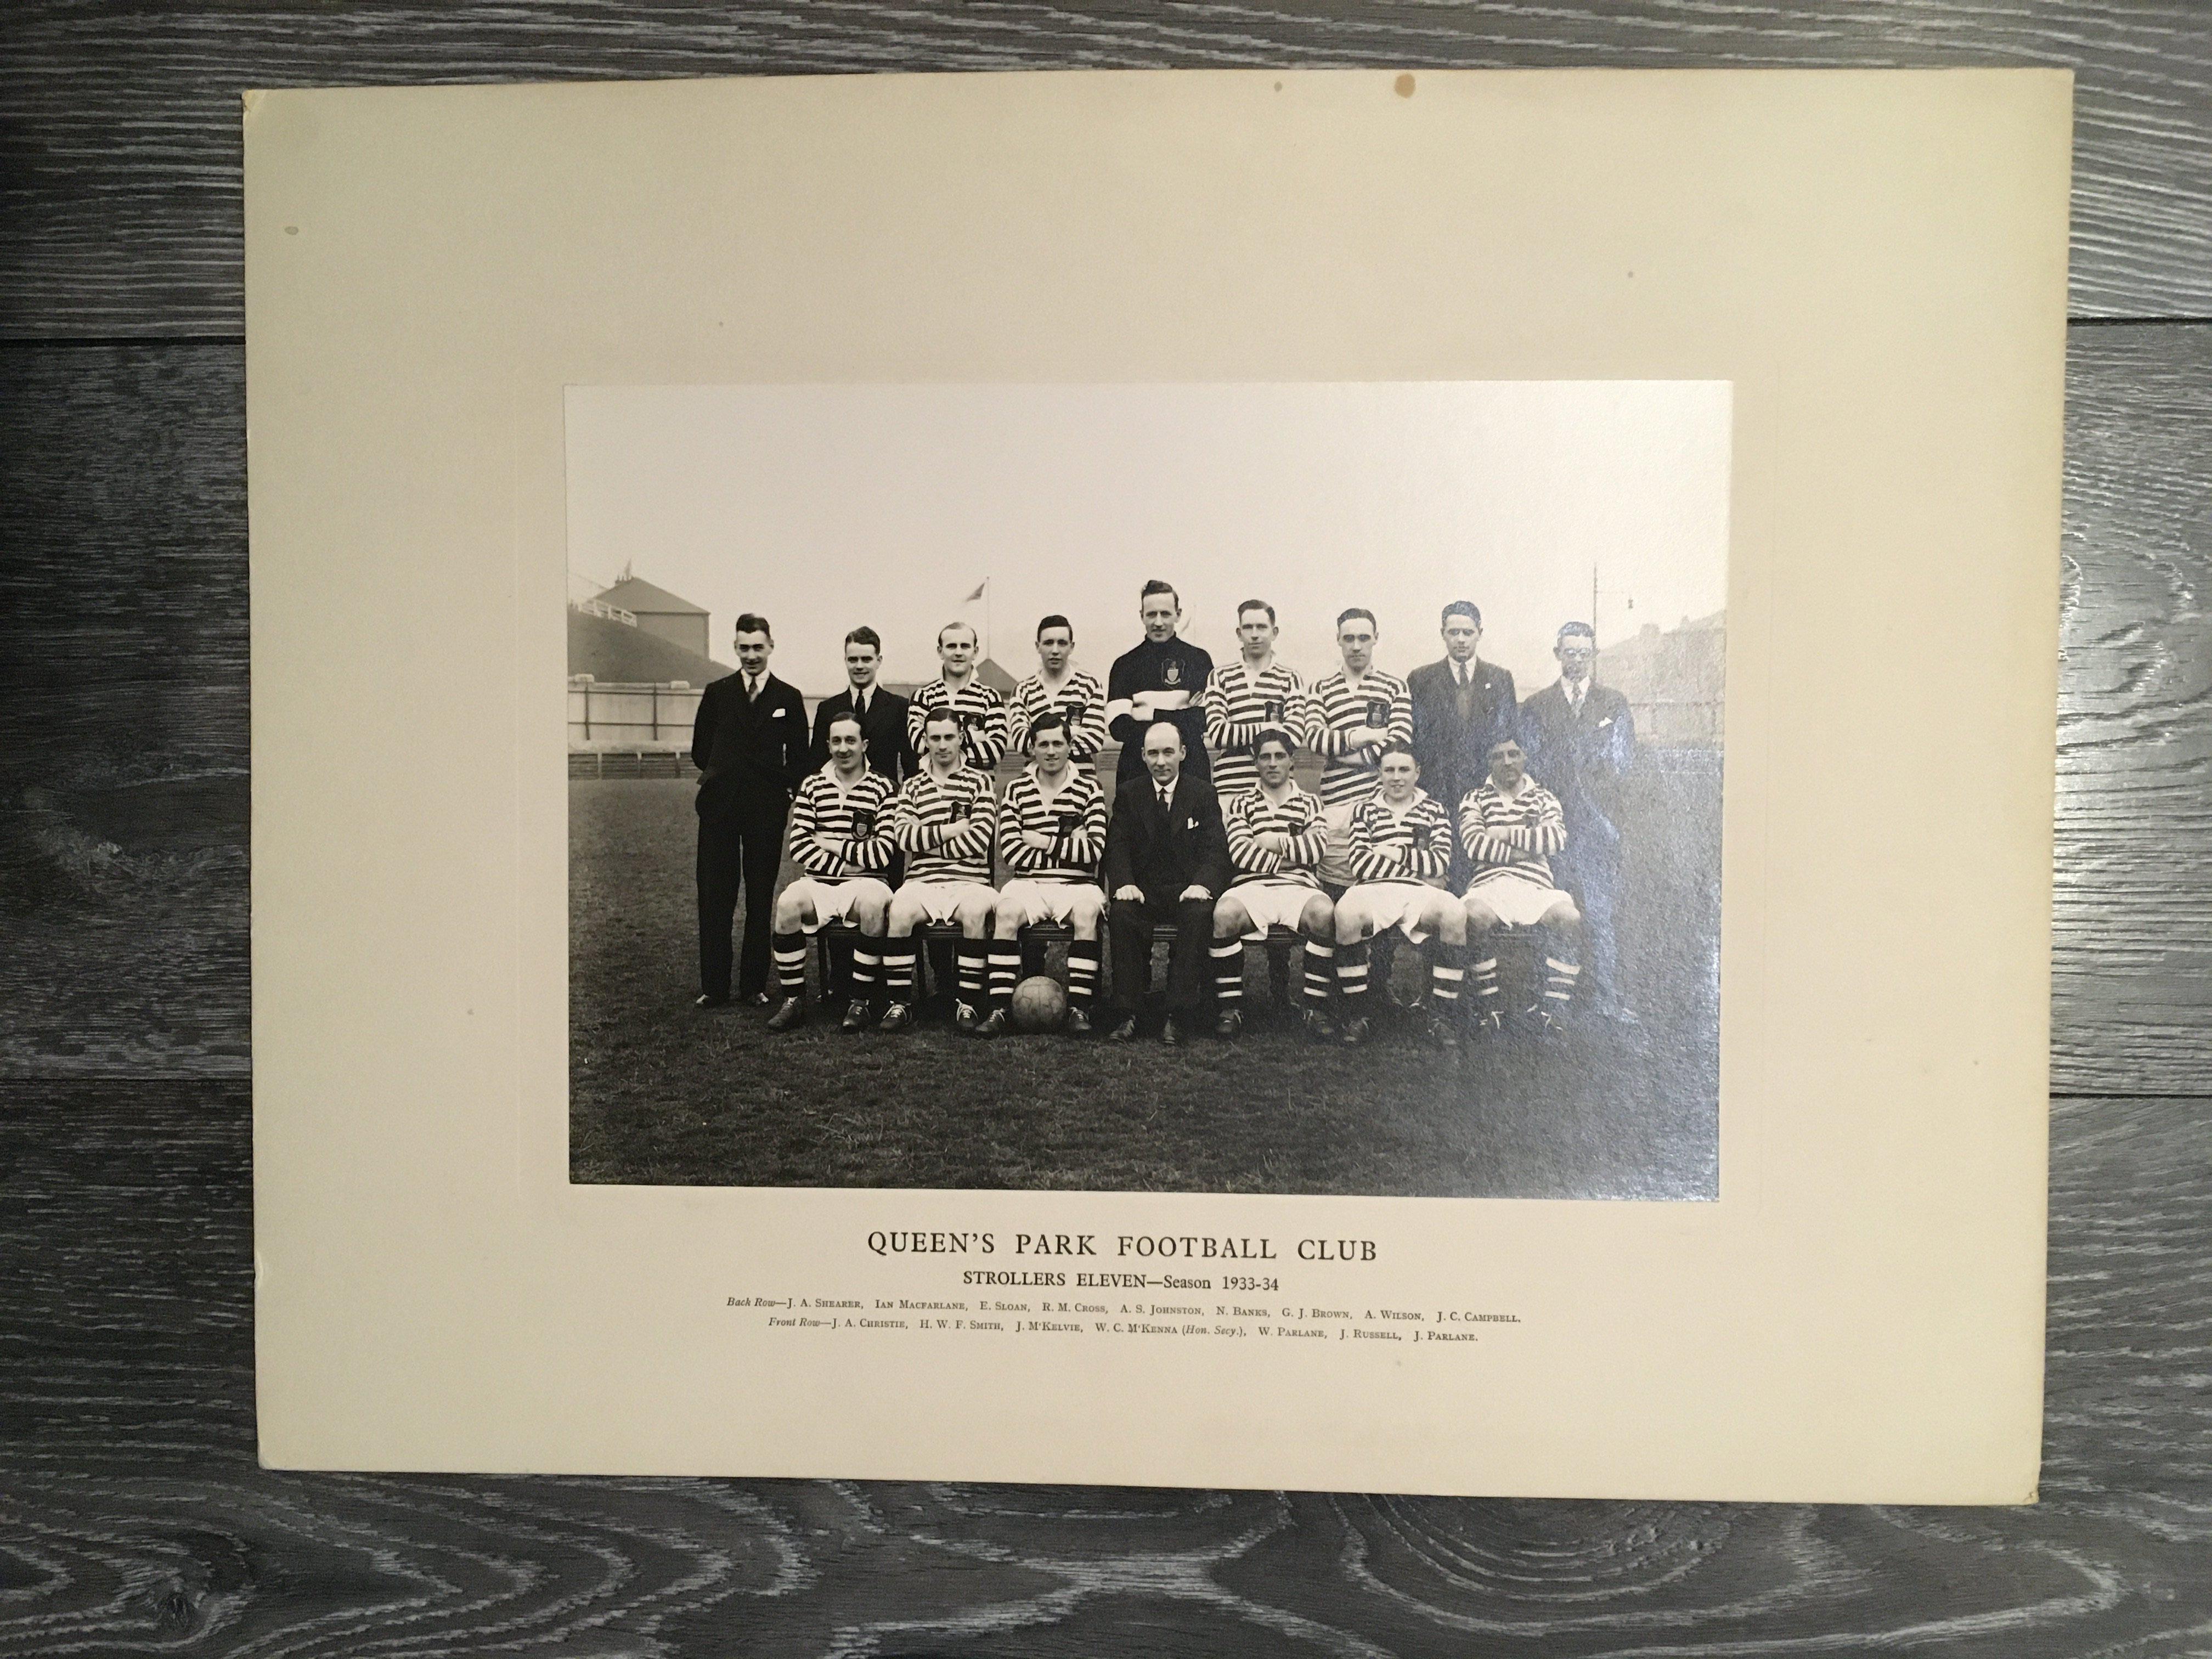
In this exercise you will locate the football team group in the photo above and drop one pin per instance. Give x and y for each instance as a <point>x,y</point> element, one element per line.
<point>1447,813</point>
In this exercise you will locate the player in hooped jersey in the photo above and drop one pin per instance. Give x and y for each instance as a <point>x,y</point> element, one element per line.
<point>1058,684</point>
<point>1351,713</point>
<point>1243,698</point>
<point>1277,840</point>
<point>841,841</point>
<point>959,686</point>
<point>1510,825</point>
<point>1401,851</point>
<point>943,819</point>
<point>1052,832</point>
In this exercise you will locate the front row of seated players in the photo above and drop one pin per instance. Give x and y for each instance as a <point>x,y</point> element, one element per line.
<point>1172,856</point>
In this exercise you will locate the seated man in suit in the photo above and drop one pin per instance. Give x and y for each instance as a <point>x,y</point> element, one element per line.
<point>1167,859</point>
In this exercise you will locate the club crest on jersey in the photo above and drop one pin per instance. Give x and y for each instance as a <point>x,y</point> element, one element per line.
<point>1171,672</point>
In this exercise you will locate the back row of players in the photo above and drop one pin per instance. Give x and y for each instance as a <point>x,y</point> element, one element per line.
<point>1221,859</point>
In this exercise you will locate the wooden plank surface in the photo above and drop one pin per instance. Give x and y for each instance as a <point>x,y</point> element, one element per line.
<point>132,1514</point>
<point>119,120</point>
<point>123,785</point>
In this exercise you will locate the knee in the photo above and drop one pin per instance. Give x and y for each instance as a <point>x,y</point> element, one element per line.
<point>1321,919</point>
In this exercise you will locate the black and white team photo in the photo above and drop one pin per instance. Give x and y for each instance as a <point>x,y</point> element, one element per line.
<point>1185,789</point>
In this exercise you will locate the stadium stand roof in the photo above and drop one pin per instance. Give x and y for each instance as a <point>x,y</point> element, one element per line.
<point>641,597</point>
<point>608,650</point>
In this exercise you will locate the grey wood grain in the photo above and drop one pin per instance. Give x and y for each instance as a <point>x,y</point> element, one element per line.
<point>122,677</point>
<point>133,1514</point>
<point>119,120</point>
<point>122,789</point>
<point>2132,909</point>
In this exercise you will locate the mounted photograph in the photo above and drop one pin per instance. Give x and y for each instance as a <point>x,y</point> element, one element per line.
<point>1204,788</point>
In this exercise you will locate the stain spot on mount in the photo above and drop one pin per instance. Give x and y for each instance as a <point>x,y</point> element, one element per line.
<point>1405,86</point>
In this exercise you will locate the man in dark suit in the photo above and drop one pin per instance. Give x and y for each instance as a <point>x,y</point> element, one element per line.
<point>882,713</point>
<point>1462,705</point>
<point>1167,861</point>
<point>1581,739</point>
<point>749,745</point>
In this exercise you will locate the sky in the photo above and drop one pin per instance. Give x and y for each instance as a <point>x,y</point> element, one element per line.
<point>823,507</point>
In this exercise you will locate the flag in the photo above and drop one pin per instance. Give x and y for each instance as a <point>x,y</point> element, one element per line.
<point>978,593</point>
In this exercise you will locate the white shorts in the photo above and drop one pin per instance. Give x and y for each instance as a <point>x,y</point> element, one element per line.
<point>1395,904</point>
<point>1336,864</point>
<point>835,901</point>
<point>1049,900</point>
<point>1518,900</point>
<point>939,899</point>
<point>1273,903</point>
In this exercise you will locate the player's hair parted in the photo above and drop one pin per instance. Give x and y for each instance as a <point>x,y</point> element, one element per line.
<point>950,626</point>
<point>867,635</point>
<point>1256,605</point>
<point>1051,721</point>
<point>940,713</point>
<point>1467,608</point>
<point>1156,586</point>
<point>1056,620</point>
<point>751,621</point>
<point>1398,747</point>
<point>1268,734</point>
<point>1579,630</point>
<point>847,719</point>
<point>1344,616</point>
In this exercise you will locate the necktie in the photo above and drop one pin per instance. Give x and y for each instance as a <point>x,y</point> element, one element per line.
<point>1163,797</point>
<point>860,705</point>
<point>753,688</point>
<point>1575,699</point>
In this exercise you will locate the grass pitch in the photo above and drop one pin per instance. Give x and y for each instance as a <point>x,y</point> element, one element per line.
<point>663,1093</point>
